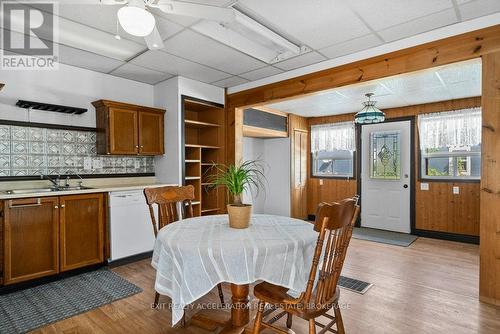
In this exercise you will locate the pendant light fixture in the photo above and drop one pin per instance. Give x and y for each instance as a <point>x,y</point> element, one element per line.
<point>369,113</point>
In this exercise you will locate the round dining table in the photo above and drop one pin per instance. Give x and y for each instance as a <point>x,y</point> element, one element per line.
<point>193,255</point>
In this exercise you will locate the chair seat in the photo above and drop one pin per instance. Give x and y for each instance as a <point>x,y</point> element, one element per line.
<point>278,295</point>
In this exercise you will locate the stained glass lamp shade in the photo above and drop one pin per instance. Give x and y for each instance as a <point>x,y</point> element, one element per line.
<point>369,113</point>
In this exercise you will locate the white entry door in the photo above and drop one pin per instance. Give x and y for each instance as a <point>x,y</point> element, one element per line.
<point>385,176</point>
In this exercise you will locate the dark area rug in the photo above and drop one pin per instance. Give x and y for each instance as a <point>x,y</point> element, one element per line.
<point>25,310</point>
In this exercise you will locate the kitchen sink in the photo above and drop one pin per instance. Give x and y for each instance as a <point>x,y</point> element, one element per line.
<point>43,190</point>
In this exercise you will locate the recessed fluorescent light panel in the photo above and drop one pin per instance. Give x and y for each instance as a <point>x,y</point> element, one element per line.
<point>250,37</point>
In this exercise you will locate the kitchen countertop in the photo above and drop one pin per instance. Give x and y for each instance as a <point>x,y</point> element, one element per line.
<point>96,185</point>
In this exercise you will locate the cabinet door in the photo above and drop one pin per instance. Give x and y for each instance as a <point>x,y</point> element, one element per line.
<point>150,133</point>
<point>31,228</point>
<point>123,134</point>
<point>81,230</point>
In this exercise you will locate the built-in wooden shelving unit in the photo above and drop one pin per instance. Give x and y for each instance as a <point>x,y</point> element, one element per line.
<point>204,142</point>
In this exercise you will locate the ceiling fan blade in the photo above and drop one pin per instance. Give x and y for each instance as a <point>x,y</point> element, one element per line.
<point>206,12</point>
<point>154,41</point>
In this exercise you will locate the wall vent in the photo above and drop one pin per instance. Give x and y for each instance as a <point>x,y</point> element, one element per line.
<point>50,107</point>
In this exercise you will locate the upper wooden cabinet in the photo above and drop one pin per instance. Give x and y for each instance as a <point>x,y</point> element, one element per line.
<point>128,129</point>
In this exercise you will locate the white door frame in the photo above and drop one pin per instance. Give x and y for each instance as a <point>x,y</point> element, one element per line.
<point>413,162</point>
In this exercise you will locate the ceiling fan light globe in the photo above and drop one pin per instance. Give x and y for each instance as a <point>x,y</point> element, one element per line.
<point>136,21</point>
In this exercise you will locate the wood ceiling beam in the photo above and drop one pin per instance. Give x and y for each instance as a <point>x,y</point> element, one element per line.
<point>445,51</point>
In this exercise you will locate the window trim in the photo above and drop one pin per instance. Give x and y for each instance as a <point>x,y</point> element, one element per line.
<point>336,177</point>
<point>444,179</point>
<point>357,132</point>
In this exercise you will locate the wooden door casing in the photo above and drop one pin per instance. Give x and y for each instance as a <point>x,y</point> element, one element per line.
<point>150,133</point>
<point>81,235</point>
<point>123,134</point>
<point>299,175</point>
<point>31,247</point>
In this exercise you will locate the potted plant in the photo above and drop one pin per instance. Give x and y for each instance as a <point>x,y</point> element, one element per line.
<point>237,179</point>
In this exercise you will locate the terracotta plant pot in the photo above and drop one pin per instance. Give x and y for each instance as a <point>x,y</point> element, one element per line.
<point>239,215</point>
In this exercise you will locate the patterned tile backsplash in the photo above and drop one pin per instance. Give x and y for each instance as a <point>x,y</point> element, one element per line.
<point>27,151</point>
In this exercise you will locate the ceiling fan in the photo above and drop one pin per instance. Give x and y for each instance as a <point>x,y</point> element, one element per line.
<point>135,16</point>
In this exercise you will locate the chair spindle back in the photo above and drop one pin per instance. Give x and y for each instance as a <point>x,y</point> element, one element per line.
<point>166,198</point>
<point>334,222</point>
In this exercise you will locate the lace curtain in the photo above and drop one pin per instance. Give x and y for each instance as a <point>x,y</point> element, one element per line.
<point>456,128</point>
<point>336,136</point>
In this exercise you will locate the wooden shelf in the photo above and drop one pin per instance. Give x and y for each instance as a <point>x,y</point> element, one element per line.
<point>209,210</point>
<point>203,146</point>
<point>204,143</point>
<point>197,124</point>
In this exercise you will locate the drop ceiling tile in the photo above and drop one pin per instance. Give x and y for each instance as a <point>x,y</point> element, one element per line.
<point>104,18</point>
<point>318,23</point>
<point>473,9</point>
<point>354,45</point>
<point>167,63</point>
<point>465,89</point>
<point>230,82</point>
<point>137,73</point>
<point>420,25</point>
<point>402,84</point>
<point>193,46</point>
<point>470,70</point>
<point>427,95</point>
<point>187,21</point>
<point>382,14</point>
<point>300,61</point>
<point>358,92</point>
<point>261,73</point>
<point>88,60</point>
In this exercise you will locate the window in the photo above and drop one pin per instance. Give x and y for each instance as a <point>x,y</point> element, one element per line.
<point>450,144</point>
<point>332,149</point>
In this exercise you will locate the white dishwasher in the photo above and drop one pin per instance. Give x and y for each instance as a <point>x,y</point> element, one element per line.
<point>131,231</point>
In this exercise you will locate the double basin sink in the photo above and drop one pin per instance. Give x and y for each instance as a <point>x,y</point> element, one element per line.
<point>43,190</point>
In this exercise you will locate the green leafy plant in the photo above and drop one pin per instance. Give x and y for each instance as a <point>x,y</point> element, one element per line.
<point>238,178</point>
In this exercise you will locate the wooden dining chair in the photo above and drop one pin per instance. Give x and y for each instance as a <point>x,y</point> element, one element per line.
<point>334,222</point>
<point>167,200</point>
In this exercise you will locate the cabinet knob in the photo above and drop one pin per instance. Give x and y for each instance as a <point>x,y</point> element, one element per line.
<point>142,146</point>
<point>56,207</point>
<point>136,146</point>
<point>62,205</point>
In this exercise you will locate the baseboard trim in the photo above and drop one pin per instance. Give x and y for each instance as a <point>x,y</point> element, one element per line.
<point>470,239</point>
<point>130,259</point>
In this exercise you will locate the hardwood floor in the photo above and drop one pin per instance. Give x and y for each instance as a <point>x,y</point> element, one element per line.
<point>429,287</point>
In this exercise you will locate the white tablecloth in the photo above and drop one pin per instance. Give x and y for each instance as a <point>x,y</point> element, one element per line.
<point>192,256</point>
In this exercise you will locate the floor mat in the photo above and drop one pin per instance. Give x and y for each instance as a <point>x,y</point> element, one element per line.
<point>385,237</point>
<point>25,310</point>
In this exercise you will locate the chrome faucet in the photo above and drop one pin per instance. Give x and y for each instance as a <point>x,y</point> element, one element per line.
<point>81,180</point>
<point>54,182</point>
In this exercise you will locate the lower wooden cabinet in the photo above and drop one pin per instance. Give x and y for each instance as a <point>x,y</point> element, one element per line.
<point>31,231</point>
<point>47,235</point>
<point>81,230</point>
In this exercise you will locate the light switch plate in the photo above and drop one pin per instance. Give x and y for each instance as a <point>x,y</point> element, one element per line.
<point>320,182</point>
<point>137,164</point>
<point>424,186</point>
<point>87,163</point>
<point>456,190</point>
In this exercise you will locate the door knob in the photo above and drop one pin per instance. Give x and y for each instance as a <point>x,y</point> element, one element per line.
<point>405,186</point>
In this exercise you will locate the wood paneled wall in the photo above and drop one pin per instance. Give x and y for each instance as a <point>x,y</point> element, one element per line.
<point>437,209</point>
